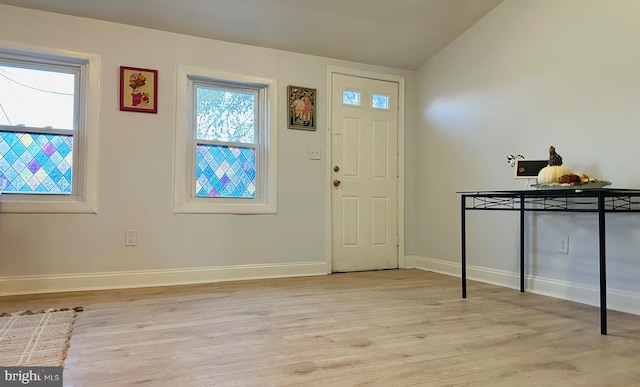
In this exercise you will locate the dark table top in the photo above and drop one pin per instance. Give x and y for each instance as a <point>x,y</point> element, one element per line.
<point>569,191</point>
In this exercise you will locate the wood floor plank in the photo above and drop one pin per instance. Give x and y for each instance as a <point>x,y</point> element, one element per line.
<point>383,328</point>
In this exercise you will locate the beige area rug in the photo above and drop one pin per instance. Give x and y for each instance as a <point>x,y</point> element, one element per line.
<point>36,338</point>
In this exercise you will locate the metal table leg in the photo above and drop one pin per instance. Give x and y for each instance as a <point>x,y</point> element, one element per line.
<point>603,271</point>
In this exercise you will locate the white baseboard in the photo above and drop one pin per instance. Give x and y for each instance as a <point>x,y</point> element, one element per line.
<point>616,300</point>
<point>147,278</point>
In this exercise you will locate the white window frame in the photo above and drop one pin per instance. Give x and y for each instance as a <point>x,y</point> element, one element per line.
<point>185,200</point>
<point>83,198</point>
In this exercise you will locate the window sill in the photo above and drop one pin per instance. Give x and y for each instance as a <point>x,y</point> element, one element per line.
<point>198,207</point>
<point>46,207</point>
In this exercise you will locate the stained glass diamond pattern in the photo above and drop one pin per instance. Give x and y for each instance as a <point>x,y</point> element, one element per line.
<point>225,171</point>
<point>36,163</point>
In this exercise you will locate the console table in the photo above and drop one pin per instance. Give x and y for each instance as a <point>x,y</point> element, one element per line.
<point>596,200</point>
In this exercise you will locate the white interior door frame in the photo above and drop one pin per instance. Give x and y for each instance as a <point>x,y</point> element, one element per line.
<point>401,111</point>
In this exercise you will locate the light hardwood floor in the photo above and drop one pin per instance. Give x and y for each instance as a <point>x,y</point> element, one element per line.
<point>384,328</point>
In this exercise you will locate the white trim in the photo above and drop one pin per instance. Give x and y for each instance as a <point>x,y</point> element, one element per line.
<point>585,294</point>
<point>400,80</point>
<point>86,200</point>
<point>183,201</point>
<point>148,278</point>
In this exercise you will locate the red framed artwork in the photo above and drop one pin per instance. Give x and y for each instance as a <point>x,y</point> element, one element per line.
<point>138,90</point>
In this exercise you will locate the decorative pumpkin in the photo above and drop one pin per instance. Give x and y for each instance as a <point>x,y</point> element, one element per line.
<point>552,172</point>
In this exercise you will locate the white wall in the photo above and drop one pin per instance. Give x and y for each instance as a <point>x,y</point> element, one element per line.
<point>52,252</point>
<point>532,74</point>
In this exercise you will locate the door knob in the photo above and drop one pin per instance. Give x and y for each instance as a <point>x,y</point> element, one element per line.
<point>336,182</point>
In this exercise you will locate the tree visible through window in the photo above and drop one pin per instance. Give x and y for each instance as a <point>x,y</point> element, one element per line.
<point>226,143</point>
<point>227,130</point>
<point>225,115</point>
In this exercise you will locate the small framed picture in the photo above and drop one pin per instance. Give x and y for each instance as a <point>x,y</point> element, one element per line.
<point>529,168</point>
<point>138,90</point>
<point>302,108</point>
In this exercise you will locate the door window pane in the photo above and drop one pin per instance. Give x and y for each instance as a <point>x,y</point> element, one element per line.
<point>380,101</point>
<point>351,97</point>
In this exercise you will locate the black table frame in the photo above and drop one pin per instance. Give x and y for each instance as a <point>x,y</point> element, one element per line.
<point>596,200</point>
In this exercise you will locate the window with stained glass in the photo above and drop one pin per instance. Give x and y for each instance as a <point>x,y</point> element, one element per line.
<point>38,125</point>
<point>225,171</point>
<point>36,162</point>
<point>226,140</point>
<point>230,151</point>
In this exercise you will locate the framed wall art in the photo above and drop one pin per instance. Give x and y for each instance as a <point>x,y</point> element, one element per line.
<point>302,108</point>
<point>138,90</point>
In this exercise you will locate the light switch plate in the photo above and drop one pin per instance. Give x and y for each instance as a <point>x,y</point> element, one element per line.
<point>130,238</point>
<point>314,153</point>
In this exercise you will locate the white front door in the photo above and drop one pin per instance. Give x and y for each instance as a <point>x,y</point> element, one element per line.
<point>364,162</point>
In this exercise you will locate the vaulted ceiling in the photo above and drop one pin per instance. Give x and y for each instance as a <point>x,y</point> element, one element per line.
<point>401,34</point>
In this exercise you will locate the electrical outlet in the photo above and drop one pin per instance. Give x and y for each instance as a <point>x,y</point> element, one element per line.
<point>130,238</point>
<point>563,247</point>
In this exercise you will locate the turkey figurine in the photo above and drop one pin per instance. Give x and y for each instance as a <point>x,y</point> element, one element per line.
<point>554,158</point>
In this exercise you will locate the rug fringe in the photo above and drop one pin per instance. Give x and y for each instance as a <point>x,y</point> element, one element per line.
<point>30,312</point>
